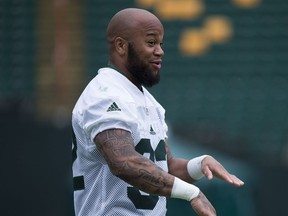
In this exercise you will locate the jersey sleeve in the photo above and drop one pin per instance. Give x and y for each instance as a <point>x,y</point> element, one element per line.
<point>109,113</point>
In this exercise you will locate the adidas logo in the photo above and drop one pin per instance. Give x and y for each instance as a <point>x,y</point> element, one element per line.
<point>113,107</point>
<point>152,132</point>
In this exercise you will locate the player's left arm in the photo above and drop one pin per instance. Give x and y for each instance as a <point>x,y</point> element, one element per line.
<point>207,165</point>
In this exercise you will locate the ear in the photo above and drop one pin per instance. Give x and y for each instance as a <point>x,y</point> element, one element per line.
<point>120,45</point>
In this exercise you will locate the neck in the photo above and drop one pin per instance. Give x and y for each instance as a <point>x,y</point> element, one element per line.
<point>128,76</point>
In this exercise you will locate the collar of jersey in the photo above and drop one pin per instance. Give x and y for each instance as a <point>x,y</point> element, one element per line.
<point>119,71</point>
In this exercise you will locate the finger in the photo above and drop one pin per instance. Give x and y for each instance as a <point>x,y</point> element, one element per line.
<point>228,179</point>
<point>237,181</point>
<point>207,172</point>
<point>232,179</point>
<point>224,175</point>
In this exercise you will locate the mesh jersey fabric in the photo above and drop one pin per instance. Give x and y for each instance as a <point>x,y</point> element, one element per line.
<point>110,101</point>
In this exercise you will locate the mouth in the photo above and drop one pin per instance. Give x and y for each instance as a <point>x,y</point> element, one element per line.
<point>157,64</point>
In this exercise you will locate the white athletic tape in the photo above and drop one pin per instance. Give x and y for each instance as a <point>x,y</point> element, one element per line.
<point>184,190</point>
<point>194,167</point>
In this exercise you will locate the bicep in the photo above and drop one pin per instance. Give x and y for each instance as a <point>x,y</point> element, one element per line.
<point>115,145</point>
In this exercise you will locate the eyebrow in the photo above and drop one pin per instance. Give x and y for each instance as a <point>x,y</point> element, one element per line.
<point>152,34</point>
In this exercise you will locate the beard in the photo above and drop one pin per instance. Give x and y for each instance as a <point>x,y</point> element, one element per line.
<point>140,70</point>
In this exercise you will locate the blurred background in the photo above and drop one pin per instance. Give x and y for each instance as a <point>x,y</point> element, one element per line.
<point>224,86</point>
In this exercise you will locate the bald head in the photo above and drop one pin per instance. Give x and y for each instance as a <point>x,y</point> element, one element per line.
<point>128,21</point>
<point>135,38</point>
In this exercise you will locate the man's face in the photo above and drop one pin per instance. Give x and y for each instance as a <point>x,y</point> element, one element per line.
<point>144,57</point>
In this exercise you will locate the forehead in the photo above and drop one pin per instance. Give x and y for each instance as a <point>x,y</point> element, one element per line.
<point>153,27</point>
<point>150,28</point>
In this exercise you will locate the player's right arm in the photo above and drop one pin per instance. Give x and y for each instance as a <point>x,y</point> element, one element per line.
<point>117,147</point>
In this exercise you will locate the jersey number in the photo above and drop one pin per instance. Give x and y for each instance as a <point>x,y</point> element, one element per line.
<point>147,201</point>
<point>78,181</point>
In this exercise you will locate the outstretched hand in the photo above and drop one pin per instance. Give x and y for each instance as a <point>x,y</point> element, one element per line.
<point>211,168</point>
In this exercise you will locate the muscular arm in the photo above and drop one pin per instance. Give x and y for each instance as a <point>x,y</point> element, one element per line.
<point>117,147</point>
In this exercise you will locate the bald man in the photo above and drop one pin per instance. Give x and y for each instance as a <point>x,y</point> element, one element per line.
<point>122,164</point>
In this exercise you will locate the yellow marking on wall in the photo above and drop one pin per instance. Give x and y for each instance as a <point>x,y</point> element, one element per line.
<point>181,9</point>
<point>171,9</point>
<point>146,3</point>
<point>218,29</point>
<point>197,41</point>
<point>246,3</point>
<point>194,42</point>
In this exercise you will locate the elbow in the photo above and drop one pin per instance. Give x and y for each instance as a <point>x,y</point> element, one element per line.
<point>119,168</point>
<point>116,171</point>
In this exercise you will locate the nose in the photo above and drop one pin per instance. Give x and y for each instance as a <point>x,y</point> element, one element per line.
<point>158,50</point>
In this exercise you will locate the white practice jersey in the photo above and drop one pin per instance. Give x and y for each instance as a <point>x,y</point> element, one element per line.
<point>110,101</point>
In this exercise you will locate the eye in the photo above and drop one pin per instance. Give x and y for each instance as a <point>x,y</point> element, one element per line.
<point>151,43</point>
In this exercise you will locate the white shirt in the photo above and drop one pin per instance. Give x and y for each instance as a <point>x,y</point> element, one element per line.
<point>110,101</point>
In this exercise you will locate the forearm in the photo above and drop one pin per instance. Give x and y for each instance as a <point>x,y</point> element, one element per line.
<point>124,162</point>
<point>178,167</point>
<point>145,175</point>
